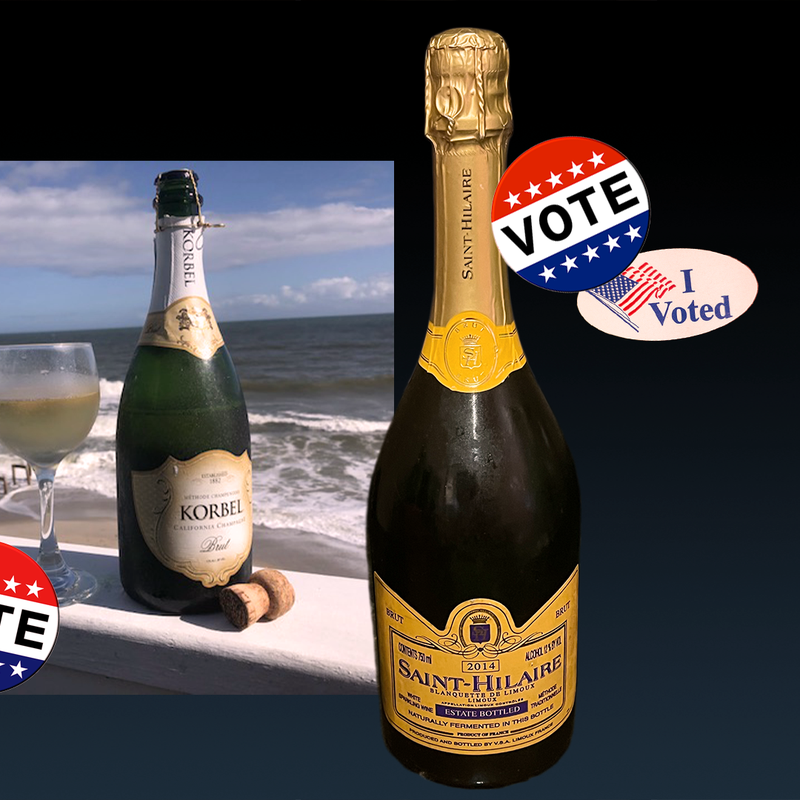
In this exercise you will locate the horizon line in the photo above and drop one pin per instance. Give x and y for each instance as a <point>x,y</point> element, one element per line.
<point>220,322</point>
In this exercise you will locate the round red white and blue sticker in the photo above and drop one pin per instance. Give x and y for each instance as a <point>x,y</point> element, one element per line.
<point>28,617</point>
<point>570,214</point>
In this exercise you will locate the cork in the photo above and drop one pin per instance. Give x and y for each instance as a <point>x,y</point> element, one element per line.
<point>267,595</point>
<point>280,591</point>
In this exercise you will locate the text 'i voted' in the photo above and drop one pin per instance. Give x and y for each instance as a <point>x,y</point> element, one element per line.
<point>671,294</point>
<point>570,214</point>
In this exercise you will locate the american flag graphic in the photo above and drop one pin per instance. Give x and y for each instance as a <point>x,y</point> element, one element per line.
<point>28,617</point>
<point>631,290</point>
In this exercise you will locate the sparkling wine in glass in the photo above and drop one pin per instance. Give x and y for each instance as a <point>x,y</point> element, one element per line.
<point>49,396</point>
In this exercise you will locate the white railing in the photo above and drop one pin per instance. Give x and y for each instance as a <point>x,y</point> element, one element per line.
<point>324,645</point>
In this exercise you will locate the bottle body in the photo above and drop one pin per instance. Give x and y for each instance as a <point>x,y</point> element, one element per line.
<point>183,441</point>
<point>473,514</point>
<point>473,496</point>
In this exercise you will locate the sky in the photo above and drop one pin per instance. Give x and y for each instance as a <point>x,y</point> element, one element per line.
<point>300,239</point>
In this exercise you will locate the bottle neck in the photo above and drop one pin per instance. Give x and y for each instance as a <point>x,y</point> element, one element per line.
<point>472,343</point>
<point>470,275</point>
<point>180,315</point>
<point>179,262</point>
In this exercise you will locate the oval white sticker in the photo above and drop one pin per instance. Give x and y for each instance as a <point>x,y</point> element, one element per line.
<point>671,294</point>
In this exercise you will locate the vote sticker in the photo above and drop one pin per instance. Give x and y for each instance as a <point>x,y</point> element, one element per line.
<point>28,617</point>
<point>570,214</point>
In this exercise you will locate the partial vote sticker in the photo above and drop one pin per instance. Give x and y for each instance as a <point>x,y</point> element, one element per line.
<point>671,294</point>
<point>28,617</point>
<point>570,214</point>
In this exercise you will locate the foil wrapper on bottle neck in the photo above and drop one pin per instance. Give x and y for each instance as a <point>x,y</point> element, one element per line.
<point>466,89</point>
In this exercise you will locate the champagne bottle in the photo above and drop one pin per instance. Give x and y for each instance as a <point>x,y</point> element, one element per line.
<point>473,511</point>
<point>184,487</point>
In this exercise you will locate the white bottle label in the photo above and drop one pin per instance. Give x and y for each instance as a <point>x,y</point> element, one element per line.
<point>196,516</point>
<point>179,262</point>
<point>180,315</point>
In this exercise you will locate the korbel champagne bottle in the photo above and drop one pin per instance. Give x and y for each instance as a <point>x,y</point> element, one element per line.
<point>184,488</point>
<point>473,515</point>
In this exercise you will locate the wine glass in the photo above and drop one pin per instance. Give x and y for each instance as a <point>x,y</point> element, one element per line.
<point>49,396</point>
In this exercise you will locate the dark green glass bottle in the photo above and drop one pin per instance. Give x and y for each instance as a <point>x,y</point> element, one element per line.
<point>473,516</point>
<point>184,478</point>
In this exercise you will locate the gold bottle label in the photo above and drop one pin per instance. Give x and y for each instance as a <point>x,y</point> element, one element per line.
<point>188,324</point>
<point>481,685</point>
<point>471,353</point>
<point>196,516</point>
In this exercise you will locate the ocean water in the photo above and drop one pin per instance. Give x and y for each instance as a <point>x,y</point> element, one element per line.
<point>319,395</point>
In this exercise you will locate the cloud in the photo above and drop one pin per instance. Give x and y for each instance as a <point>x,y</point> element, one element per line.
<point>334,294</point>
<point>333,227</point>
<point>94,230</point>
<point>22,173</point>
<point>83,231</point>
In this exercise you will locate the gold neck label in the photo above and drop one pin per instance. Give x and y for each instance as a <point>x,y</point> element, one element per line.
<point>188,324</point>
<point>471,353</point>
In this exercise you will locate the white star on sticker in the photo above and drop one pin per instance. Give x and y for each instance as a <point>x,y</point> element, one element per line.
<point>591,252</point>
<point>597,159</point>
<point>11,586</point>
<point>547,274</point>
<point>18,670</point>
<point>33,589</point>
<point>512,199</point>
<point>611,243</point>
<point>533,190</point>
<point>576,169</point>
<point>569,264</point>
<point>633,233</point>
<point>554,179</point>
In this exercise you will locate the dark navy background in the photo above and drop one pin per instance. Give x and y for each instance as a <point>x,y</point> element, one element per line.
<point>686,450</point>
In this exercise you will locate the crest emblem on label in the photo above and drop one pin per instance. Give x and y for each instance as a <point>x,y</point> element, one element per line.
<point>28,617</point>
<point>471,352</point>
<point>188,324</point>
<point>570,214</point>
<point>464,354</point>
<point>479,632</point>
<point>671,294</point>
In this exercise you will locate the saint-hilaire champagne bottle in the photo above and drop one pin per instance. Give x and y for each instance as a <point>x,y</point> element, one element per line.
<point>473,513</point>
<point>184,477</point>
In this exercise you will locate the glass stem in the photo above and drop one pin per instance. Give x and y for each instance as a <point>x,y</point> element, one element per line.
<point>50,557</point>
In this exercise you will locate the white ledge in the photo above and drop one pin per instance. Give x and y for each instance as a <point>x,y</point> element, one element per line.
<point>323,645</point>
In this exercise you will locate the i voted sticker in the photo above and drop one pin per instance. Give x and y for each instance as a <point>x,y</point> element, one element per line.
<point>28,617</point>
<point>570,214</point>
<point>671,294</point>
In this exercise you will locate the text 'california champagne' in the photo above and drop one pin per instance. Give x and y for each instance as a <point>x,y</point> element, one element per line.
<point>474,515</point>
<point>184,476</point>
